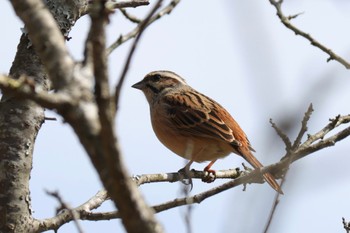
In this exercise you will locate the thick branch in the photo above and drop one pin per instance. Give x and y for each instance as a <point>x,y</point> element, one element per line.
<point>25,88</point>
<point>47,39</point>
<point>108,159</point>
<point>21,119</point>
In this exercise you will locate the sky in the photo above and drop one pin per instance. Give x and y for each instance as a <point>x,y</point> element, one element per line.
<point>238,53</point>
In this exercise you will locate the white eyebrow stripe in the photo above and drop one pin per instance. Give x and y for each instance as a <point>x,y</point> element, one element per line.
<point>171,75</point>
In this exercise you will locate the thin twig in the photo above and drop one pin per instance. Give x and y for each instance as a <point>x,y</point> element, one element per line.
<point>124,38</point>
<point>50,118</point>
<point>65,206</point>
<point>303,128</point>
<point>346,225</point>
<point>188,211</point>
<point>286,21</point>
<point>274,206</point>
<point>142,27</point>
<point>130,17</point>
<point>309,146</point>
<point>290,150</point>
<point>82,211</point>
<point>124,4</point>
<point>282,135</point>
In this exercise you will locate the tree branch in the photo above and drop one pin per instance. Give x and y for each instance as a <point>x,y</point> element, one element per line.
<point>303,128</point>
<point>239,178</point>
<point>124,38</point>
<point>286,21</point>
<point>142,27</point>
<point>106,157</point>
<point>346,225</point>
<point>47,39</point>
<point>25,88</point>
<point>131,18</point>
<point>124,4</point>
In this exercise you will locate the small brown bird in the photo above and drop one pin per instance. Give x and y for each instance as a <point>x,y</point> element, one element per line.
<point>193,125</point>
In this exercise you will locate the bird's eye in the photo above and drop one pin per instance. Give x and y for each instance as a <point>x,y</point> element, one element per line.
<point>156,78</point>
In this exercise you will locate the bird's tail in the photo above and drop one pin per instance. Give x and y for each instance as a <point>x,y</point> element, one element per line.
<point>270,179</point>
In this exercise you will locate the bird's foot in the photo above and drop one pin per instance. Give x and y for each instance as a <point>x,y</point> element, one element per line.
<point>186,177</point>
<point>210,175</point>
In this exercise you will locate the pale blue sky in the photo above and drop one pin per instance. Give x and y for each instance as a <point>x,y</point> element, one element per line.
<point>238,53</point>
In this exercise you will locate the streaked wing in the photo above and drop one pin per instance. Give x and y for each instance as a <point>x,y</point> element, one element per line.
<point>195,114</point>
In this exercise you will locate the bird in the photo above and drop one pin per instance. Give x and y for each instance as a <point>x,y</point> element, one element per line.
<point>193,125</point>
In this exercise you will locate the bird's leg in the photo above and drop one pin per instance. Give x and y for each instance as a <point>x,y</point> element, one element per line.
<point>211,173</point>
<point>186,171</point>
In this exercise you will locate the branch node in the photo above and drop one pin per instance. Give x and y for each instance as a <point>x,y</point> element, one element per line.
<point>290,17</point>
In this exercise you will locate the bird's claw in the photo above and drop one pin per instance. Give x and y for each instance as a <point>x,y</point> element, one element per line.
<point>186,178</point>
<point>210,176</point>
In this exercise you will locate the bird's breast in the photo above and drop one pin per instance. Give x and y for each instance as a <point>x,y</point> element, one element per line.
<point>191,147</point>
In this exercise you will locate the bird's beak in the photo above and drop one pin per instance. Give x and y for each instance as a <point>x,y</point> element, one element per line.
<point>138,85</point>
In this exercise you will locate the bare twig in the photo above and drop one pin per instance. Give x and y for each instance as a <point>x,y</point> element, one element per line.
<point>50,119</point>
<point>290,150</point>
<point>303,128</point>
<point>346,225</point>
<point>286,21</point>
<point>282,135</point>
<point>310,145</point>
<point>187,215</point>
<point>275,204</point>
<point>142,27</point>
<point>113,4</point>
<point>124,38</point>
<point>65,206</point>
<point>132,18</point>
<point>80,212</point>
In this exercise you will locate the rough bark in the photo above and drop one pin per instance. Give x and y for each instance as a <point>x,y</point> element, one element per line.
<point>20,121</point>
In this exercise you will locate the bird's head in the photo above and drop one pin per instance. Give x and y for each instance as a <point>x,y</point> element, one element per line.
<point>158,83</point>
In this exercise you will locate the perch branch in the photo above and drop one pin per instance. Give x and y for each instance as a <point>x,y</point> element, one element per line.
<point>245,177</point>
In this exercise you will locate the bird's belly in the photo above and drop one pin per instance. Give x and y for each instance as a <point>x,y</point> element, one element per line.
<point>197,149</point>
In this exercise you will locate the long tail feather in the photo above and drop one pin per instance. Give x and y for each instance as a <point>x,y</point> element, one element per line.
<point>247,155</point>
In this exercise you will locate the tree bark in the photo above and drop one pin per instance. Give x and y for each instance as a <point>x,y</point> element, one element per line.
<point>20,121</point>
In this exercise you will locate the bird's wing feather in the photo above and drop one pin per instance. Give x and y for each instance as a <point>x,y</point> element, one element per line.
<point>198,116</point>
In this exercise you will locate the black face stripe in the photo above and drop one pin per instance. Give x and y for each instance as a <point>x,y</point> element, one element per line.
<point>155,77</point>
<point>152,88</point>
